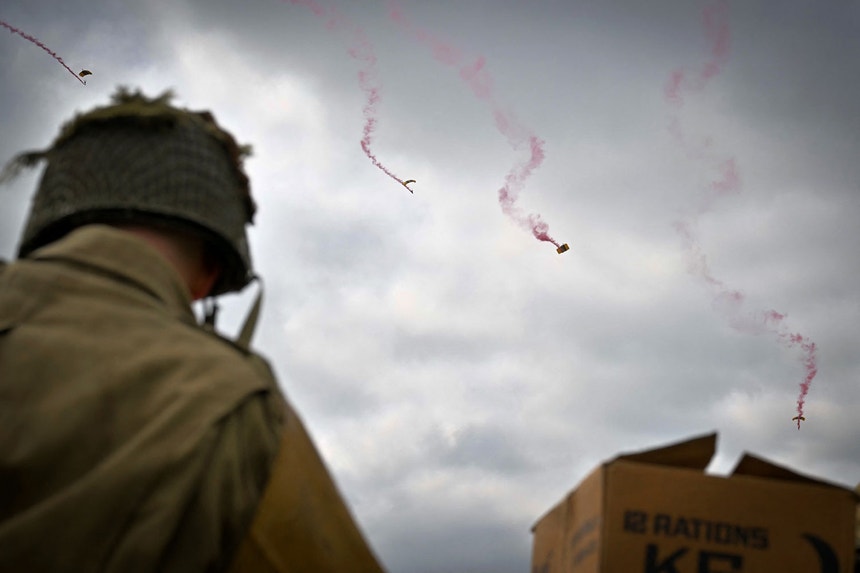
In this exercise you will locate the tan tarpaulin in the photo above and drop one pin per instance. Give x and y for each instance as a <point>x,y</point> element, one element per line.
<point>302,524</point>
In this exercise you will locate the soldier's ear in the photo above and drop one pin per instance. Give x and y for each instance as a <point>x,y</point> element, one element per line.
<point>210,270</point>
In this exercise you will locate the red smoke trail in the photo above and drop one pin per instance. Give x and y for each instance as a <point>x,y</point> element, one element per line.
<point>362,51</point>
<point>481,83</point>
<point>43,46</point>
<point>715,18</point>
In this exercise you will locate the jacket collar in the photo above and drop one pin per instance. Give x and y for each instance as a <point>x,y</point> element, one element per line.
<point>124,256</point>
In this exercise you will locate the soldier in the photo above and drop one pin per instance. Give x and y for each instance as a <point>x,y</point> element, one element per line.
<point>857,532</point>
<point>133,438</point>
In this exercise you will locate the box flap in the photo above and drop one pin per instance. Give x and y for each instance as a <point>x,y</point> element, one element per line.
<point>695,453</point>
<point>750,465</point>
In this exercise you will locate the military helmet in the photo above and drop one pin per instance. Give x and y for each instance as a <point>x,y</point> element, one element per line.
<point>141,160</point>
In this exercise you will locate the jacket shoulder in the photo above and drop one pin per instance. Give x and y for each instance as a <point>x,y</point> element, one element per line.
<point>231,349</point>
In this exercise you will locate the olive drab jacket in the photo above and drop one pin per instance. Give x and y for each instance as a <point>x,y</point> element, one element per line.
<point>132,439</point>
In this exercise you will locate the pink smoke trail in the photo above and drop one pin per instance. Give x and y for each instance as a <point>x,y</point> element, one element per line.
<point>362,51</point>
<point>480,82</point>
<point>715,17</point>
<point>54,55</point>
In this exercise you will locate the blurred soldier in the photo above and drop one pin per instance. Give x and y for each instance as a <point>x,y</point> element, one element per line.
<point>857,533</point>
<point>133,438</point>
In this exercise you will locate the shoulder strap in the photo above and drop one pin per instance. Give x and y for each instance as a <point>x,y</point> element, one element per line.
<point>250,325</point>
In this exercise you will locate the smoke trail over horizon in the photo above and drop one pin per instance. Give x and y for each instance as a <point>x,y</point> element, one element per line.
<point>730,302</point>
<point>53,54</point>
<point>480,82</point>
<point>361,50</point>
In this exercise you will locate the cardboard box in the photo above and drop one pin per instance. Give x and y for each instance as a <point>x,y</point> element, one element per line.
<point>657,512</point>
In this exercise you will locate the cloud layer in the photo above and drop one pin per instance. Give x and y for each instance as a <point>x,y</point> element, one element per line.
<point>458,375</point>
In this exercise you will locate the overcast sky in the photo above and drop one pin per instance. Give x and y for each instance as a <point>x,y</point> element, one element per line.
<point>459,375</point>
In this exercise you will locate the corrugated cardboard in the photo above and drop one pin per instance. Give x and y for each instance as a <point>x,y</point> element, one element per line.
<point>658,512</point>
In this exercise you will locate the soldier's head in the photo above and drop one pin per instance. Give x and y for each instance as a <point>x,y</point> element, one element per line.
<point>147,166</point>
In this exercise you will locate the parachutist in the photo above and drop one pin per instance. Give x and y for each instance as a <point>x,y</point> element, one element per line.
<point>406,184</point>
<point>562,248</point>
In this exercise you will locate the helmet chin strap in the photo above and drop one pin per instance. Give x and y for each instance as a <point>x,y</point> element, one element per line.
<point>210,313</point>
